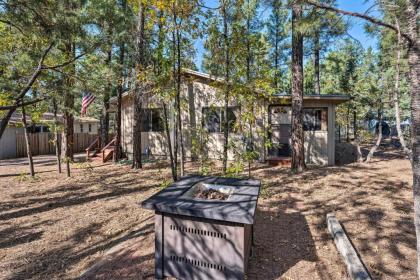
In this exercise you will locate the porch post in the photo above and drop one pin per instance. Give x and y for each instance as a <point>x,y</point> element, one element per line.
<point>331,135</point>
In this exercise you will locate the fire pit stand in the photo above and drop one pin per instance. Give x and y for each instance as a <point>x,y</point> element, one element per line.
<point>204,238</point>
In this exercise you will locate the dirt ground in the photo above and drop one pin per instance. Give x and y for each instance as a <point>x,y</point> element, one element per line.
<point>52,227</point>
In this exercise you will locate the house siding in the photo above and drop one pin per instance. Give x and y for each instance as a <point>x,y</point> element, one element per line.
<point>154,141</point>
<point>94,127</point>
<point>197,94</point>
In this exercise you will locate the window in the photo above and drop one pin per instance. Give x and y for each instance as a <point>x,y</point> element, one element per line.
<point>213,119</point>
<point>90,127</point>
<point>314,119</point>
<point>81,127</point>
<point>152,120</point>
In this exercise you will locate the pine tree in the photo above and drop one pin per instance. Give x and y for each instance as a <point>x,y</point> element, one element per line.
<point>298,159</point>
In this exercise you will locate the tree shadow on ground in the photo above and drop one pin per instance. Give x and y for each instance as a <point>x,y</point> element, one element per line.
<point>282,240</point>
<point>372,201</point>
<point>73,196</point>
<point>58,260</point>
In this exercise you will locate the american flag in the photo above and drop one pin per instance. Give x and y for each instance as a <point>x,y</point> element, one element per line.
<point>87,99</point>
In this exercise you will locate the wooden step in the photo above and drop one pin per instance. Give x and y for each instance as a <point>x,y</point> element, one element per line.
<point>107,155</point>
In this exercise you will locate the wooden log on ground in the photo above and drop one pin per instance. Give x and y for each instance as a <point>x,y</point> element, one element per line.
<point>355,266</point>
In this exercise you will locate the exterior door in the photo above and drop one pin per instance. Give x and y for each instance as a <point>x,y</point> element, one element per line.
<point>280,120</point>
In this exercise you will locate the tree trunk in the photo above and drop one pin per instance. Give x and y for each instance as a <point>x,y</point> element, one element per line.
<point>28,143</point>
<point>57,143</point>
<point>355,123</point>
<point>414,63</point>
<point>317,81</point>
<point>174,74</point>
<point>227,87</point>
<point>298,158</point>
<point>138,110</point>
<point>348,123</point>
<point>178,101</point>
<point>357,137</point>
<point>138,117</point>
<point>248,48</point>
<point>359,150</point>
<point>5,121</point>
<point>161,37</point>
<point>168,138</point>
<point>105,108</point>
<point>276,52</point>
<point>68,112</point>
<point>117,148</point>
<point>378,140</point>
<point>396,99</point>
<point>248,81</point>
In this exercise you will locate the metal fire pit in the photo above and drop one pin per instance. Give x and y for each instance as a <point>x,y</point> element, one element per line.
<point>204,238</point>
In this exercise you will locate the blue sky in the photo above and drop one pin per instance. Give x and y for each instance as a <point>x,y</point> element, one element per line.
<point>356,31</point>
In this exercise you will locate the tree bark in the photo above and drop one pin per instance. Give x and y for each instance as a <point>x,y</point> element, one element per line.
<point>298,158</point>
<point>317,82</point>
<point>68,111</point>
<point>249,58</point>
<point>414,74</point>
<point>276,57</point>
<point>396,94</point>
<point>138,116</point>
<point>138,110</point>
<point>28,143</point>
<point>57,143</point>
<point>227,86</point>
<point>105,108</point>
<point>378,139</point>
<point>174,74</point>
<point>168,137</point>
<point>117,148</point>
<point>5,121</point>
<point>348,123</point>
<point>178,101</point>
<point>355,128</point>
<point>161,37</point>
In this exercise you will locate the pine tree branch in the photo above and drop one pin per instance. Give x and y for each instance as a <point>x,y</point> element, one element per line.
<point>53,67</point>
<point>358,15</point>
<point>17,105</point>
<point>35,75</point>
<point>7,22</point>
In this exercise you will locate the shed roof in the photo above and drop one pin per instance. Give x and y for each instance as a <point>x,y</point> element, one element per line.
<point>328,98</point>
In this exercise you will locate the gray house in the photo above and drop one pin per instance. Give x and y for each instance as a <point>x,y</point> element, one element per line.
<point>202,113</point>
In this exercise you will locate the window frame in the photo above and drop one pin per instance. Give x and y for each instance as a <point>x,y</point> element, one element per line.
<point>81,128</point>
<point>151,126</point>
<point>315,126</point>
<point>219,110</point>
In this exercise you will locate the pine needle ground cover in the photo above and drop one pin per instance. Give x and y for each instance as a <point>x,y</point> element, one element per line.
<point>57,228</point>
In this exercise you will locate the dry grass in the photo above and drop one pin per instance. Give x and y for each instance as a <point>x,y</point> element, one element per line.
<point>55,228</point>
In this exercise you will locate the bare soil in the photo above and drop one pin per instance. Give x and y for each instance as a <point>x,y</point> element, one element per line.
<point>52,227</point>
